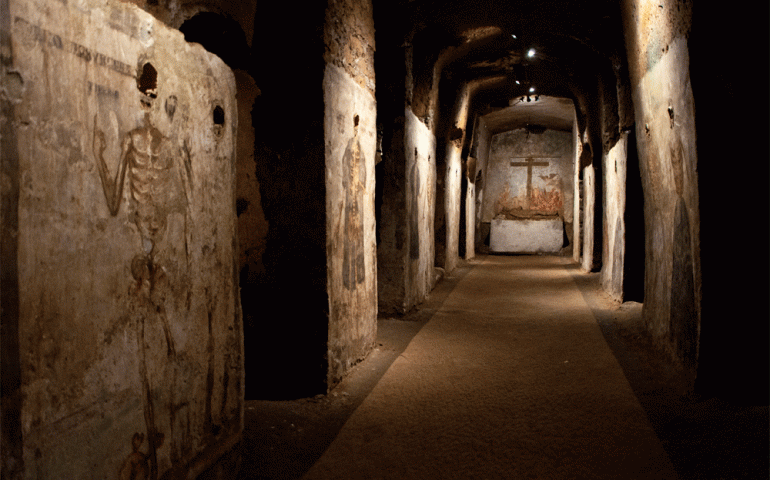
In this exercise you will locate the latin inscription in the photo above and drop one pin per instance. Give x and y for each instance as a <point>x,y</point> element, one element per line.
<point>102,91</point>
<point>124,21</point>
<point>49,39</point>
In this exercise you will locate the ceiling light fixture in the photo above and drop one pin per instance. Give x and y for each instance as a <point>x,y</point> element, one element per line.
<point>531,89</point>
<point>531,53</point>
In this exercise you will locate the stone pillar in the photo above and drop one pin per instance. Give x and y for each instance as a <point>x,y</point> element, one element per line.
<point>470,209</point>
<point>577,237</point>
<point>391,225</point>
<point>659,68</point>
<point>419,143</point>
<point>614,225</point>
<point>130,351</point>
<point>589,203</point>
<point>481,148</point>
<point>420,149</point>
<point>453,174</point>
<point>350,135</point>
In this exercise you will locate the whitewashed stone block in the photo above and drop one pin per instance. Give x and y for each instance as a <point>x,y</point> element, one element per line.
<point>526,236</point>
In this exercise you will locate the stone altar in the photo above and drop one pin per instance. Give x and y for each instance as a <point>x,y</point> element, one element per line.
<point>539,235</point>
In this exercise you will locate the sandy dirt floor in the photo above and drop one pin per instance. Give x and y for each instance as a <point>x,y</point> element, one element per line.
<point>515,367</point>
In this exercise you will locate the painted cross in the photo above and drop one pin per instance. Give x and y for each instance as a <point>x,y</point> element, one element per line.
<point>529,163</point>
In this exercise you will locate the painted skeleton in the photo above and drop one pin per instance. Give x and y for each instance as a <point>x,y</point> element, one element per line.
<point>158,174</point>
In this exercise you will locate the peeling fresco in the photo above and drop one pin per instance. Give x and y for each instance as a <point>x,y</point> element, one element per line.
<point>527,175</point>
<point>421,179</point>
<point>539,203</point>
<point>354,185</point>
<point>351,141</point>
<point>129,314</point>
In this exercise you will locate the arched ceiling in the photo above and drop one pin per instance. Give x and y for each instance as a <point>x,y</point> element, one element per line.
<point>541,111</point>
<point>572,42</point>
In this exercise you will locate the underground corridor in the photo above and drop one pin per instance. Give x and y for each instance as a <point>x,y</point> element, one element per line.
<point>516,366</point>
<point>368,239</point>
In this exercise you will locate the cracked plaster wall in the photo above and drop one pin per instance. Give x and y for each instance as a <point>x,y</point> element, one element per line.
<point>420,146</point>
<point>506,186</point>
<point>480,148</point>
<point>350,134</point>
<point>613,249</point>
<point>129,322</point>
<point>578,197</point>
<point>658,58</point>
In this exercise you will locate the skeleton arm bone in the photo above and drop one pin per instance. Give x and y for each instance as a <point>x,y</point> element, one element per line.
<point>113,188</point>
<point>185,171</point>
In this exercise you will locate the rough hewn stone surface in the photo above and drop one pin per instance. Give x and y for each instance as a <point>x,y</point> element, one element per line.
<point>589,204</point>
<point>578,199</point>
<point>406,244</point>
<point>350,136</point>
<point>656,43</point>
<point>469,172</point>
<point>130,347</point>
<point>613,249</point>
<point>351,245</point>
<point>175,12</point>
<point>349,40</point>
<point>420,147</point>
<point>480,148</point>
<point>391,219</point>
<point>453,177</point>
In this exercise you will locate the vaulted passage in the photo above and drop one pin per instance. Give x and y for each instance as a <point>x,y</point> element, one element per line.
<point>515,367</point>
<point>206,204</point>
<point>510,378</point>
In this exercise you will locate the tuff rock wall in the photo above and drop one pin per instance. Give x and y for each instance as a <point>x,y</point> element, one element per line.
<point>613,250</point>
<point>578,197</point>
<point>407,247</point>
<point>420,146</point>
<point>480,151</point>
<point>123,317</point>
<point>350,134</point>
<point>658,59</point>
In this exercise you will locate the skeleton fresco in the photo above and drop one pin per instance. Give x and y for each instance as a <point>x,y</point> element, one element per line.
<point>158,176</point>
<point>148,160</point>
<point>128,334</point>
